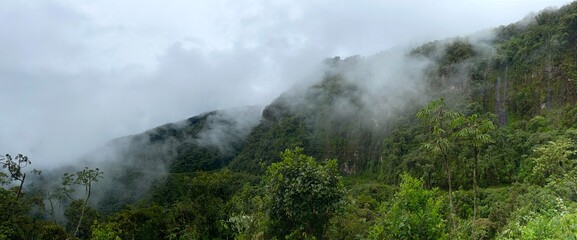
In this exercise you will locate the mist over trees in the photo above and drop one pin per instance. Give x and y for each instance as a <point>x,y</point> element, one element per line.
<point>469,137</point>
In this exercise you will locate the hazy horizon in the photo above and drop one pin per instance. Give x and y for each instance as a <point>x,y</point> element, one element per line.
<point>75,74</point>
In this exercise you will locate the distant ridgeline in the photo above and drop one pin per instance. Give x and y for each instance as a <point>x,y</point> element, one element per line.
<point>489,118</point>
<point>362,112</point>
<point>515,72</point>
<point>202,143</point>
<point>206,142</point>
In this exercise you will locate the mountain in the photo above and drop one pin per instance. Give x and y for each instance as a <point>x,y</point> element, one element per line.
<point>207,177</point>
<point>133,164</point>
<point>362,112</point>
<point>345,116</point>
<point>516,72</point>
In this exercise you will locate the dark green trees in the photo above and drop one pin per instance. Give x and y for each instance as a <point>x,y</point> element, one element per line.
<point>13,207</point>
<point>413,213</point>
<point>304,194</point>
<point>14,166</point>
<point>438,119</point>
<point>555,163</point>
<point>447,128</point>
<point>475,133</point>
<point>83,178</point>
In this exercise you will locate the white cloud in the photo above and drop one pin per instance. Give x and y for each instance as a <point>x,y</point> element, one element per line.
<point>74,74</point>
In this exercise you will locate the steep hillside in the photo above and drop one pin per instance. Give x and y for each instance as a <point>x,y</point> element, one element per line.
<point>469,137</point>
<point>516,72</point>
<point>344,116</point>
<point>202,143</point>
<point>133,164</point>
<point>362,112</point>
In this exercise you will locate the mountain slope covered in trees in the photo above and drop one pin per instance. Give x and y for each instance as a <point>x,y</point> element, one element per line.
<point>469,137</point>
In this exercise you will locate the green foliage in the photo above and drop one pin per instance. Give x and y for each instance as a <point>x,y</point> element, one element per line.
<point>474,131</point>
<point>304,195</point>
<point>183,186</point>
<point>78,213</point>
<point>361,208</point>
<point>189,146</point>
<point>198,203</point>
<point>13,221</point>
<point>521,184</point>
<point>138,223</point>
<point>537,56</point>
<point>542,216</point>
<point>495,207</point>
<point>193,206</point>
<point>80,219</point>
<point>413,213</point>
<point>192,157</point>
<point>279,129</point>
<point>355,220</point>
<point>248,214</point>
<point>458,51</point>
<point>16,205</point>
<point>554,166</point>
<point>330,120</point>
<point>84,178</point>
<point>555,226</point>
<point>438,118</point>
<point>51,231</point>
<point>554,161</point>
<point>16,222</point>
<point>107,231</point>
<point>14,166</point>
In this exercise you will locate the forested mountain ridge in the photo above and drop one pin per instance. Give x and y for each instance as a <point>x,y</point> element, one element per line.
<point>516,72</point>
<point>469,137</point>
<point>201,143</point>
<point>206,142</point>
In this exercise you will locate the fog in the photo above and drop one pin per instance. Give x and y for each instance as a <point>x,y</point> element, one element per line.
<point>76,74</point>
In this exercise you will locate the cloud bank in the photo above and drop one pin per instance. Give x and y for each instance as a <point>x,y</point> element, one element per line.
<point>74,74</point>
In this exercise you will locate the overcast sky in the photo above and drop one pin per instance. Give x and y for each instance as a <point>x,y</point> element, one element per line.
<point>76,73</point>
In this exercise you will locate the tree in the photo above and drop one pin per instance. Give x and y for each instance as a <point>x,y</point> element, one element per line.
<point>304,194</point>
<point>553,225</point>
<point>83,178</point>
<point>414,213</point>
<point>555,164</point>
<point>80,218</point>
<point>139,222</point>
<point>16,220</point>
<point>106,231</point>
<point>14,166</point>
<point>13,208</point>
<point>438,118</point>
<point>475,133</point>
<point>542,215</point>
<point>248,217</point>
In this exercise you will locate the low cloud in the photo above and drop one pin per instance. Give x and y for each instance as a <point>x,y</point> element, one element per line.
<point>75,74</point>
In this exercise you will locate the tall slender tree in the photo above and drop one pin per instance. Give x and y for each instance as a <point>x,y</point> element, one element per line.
<point>14,166</point>
<point>83,178</point>
<point>475,132</point>
<point>438,119</point>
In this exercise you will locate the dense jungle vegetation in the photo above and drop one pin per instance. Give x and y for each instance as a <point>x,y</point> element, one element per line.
<point>488,152</point>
